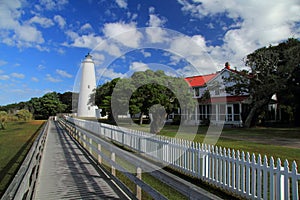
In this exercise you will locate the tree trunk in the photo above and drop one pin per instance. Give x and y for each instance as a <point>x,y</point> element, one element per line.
<point>250,116</point>
<point>157,123</point>
<point>141,118</point>
<point>253,110</point>
<point>158,116</point>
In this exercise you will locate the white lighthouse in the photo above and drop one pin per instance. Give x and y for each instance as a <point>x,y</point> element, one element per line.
<point>87,85</point>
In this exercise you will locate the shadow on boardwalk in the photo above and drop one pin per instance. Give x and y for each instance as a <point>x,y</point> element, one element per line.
<point>67,173</point>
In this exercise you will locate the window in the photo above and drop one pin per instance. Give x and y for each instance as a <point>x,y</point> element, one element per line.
<point>217,91</point>
<point>229,116</point>
<point>222,112</point>
<point>88,86</point>
<point>197,92</point>
<point>236,112</point>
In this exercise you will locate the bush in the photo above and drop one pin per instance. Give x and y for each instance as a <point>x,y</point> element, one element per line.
<point>24,115</point>
<point>3,119</point>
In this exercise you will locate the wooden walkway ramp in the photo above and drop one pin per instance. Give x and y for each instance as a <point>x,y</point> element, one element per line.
<point>67,173</point>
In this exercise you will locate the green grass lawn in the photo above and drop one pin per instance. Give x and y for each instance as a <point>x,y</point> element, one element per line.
<point>277,142</point>
<point>283,143</point>
<point>15,141</point>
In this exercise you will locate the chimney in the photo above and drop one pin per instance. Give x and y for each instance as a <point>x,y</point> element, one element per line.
<point>227,65</point>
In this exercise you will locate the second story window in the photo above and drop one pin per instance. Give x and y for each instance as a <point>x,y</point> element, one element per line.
<point>217,91</point>
<point>197,93</point>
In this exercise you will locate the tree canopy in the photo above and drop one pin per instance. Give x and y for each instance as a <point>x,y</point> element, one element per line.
<point>41,107</point>
<point>272,70</point>
<point>145,93</point>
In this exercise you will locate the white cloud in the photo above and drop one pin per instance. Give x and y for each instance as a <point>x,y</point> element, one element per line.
<point>10,12</point>
<point>2,62</point>
<point>60,51</point>
<point>63,73</point>
<point>187,46</point>
<point>155,21</point>
<point>255,24</point>
<point>60,21</point>
<point>134,17</point>
<point>193,50</point>
<point>86,27</point>
<point>4,77</point>
<point>157,34</point>
<point>98,58</point>
<point>112,49</point>
<point>17,33</point>
<point>151,10</point>
<point>43,21</point>
<point>86,41</point>
<point>92,41</point>
<point>122,3</point>
<point>89,41</point>
<point>34,79</point>
<point>146,53</point>
<point>52,4</point>
<point>52,79</point>
<point>107,73</point>
<point>126,34</point>
<point>28,34</point>
<point>71,34</point>
<point>18,75</point>
<point>138,66</point>
<point>41,67</point>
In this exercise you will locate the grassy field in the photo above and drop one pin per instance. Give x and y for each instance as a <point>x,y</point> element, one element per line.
<point>283,143</point>
<point>15,142</point>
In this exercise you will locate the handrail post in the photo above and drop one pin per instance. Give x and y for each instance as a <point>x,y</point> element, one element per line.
<point>99,156</point>
<point>90,148</point>
<point>138,188</point>
<point>113,169</point>
<point>84,140</point>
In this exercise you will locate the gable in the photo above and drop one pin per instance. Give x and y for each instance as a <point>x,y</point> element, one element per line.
<point>199,81</point>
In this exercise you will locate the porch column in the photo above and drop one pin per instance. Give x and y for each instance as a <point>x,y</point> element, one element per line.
<point>240,109</point>
<point>217,112</point>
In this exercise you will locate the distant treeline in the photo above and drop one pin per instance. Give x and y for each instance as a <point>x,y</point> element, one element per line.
<point>42,107</point>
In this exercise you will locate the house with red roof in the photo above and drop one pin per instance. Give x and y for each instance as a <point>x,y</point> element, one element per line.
<point>215,105</point>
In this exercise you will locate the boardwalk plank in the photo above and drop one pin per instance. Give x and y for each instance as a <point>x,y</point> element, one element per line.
<point>66,173</point>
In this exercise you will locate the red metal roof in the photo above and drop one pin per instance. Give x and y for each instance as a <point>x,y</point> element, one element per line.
<point>199,80</point>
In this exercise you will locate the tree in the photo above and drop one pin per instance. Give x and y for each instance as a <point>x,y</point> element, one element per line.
<point>3,119</point>
<point>66,99</point>
<point>102,96</point>
<point>24,115</point>
<point>145,93</point>
<point>151,93</point>
<point>271,70</point>
<point>46,106</point>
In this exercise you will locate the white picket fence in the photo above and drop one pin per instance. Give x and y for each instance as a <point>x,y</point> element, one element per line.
<point>237,172</point>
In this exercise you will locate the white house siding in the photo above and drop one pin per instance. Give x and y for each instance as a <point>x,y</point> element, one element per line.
<point>220,112</point>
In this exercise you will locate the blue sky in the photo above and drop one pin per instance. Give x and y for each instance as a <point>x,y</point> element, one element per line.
<point>44,41</point>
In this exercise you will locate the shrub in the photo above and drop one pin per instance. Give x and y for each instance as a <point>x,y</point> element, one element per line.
<point>3,119</point>
<point>24,115</point>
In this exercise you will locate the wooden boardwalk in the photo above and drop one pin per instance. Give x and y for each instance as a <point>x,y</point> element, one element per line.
<point>66,172</point>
